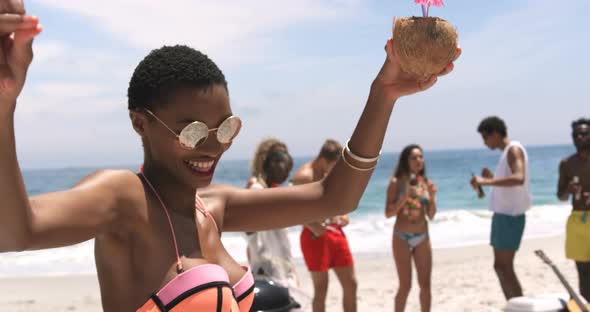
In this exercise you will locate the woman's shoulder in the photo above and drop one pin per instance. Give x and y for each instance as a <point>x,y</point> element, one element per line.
<point>123,188</point>
<point>395,183</point>
<point>397,180</point>
<point>119,182</point>
<point>303,175</point>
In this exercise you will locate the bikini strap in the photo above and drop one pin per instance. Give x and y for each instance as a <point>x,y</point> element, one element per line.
<point>179,268</point>
<point>200,206</point>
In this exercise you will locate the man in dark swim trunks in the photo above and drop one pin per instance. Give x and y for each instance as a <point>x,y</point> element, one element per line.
<point>510,198</point>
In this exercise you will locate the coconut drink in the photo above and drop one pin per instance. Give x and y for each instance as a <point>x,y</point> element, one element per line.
<point>424,45</point>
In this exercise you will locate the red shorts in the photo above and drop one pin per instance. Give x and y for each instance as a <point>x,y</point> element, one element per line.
<point>327,251</point>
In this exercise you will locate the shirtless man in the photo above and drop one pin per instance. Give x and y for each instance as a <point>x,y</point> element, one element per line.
<point>574,180</point>
<point>323,243</point>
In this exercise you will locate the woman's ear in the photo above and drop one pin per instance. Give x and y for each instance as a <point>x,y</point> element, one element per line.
<point>139,122</point>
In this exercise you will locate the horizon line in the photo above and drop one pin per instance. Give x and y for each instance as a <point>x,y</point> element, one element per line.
<point>125,166</point>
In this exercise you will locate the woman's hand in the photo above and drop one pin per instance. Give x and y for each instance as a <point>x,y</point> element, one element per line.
<point>17,31</point>
<point>342,220</point>
<point>394,83</point>
<point>431,188</point>
<point>411,191</point>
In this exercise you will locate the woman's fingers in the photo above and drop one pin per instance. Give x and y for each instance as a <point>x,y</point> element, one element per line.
<point>459,51</point>
<point>10,23</point>
<point>425,85</point>
<point>451,66</point>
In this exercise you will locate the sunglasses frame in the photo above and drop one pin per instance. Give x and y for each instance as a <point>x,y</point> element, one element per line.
<point>580,133</point>
<point>199,123</point>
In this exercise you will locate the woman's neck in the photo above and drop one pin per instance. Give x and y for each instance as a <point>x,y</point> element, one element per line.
<point>176,196</point>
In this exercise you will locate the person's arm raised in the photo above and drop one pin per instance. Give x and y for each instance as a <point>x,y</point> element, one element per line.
<point>48,220</point>
<point>340,192</point>
<point>16,35</point>
<point>62,218</point>
<point>103,202</point>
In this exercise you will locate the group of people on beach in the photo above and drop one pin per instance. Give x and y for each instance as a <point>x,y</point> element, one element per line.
<point>509,199</point>
<point>157,231</point>
<point>411,199</point>
<point>323,243</point>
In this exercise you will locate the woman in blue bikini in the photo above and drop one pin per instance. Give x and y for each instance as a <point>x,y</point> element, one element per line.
<point>411,197</point>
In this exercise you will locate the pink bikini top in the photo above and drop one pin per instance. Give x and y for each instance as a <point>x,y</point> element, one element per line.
<point>204,287</point>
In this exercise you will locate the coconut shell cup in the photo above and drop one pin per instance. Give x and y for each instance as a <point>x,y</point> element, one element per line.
<point>424,46</point>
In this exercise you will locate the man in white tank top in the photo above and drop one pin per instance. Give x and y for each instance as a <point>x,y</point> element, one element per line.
<point>510,198</point>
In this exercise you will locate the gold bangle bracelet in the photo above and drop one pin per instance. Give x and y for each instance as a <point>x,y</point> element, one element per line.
<point>355,167</point>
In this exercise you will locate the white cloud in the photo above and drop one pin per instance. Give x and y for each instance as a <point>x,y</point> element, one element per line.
<point>231,30</point>
<point>73,59</point>
<point>57,89</point>
<point>73,105</point>
<point>70,81</point>
<point>48,51</point>
<point>507,66</point>
<point>514,44</point>
<point>513,67</point>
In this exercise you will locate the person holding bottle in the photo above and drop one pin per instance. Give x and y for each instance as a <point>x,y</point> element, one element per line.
<point>411,198</point>
<point>574,180</point>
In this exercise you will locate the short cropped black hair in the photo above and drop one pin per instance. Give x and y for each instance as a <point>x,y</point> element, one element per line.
<point>493,124</point>
<point>167,70</point>
<point>579,122</point>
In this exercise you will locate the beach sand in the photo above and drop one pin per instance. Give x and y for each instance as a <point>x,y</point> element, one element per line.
<point>463,280</point>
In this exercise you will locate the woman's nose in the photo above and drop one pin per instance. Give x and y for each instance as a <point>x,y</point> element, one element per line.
<point>211,147</point>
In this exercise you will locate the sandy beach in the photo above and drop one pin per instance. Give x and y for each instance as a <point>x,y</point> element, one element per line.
<point>463,280</point>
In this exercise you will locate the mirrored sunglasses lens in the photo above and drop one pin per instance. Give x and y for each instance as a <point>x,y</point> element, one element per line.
<point>229,129</point>
<point>193,134</point>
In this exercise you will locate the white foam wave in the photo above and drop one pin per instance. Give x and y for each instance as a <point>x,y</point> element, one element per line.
<point>369,235</point>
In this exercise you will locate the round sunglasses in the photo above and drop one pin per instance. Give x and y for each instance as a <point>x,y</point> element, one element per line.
<point>195,133</point>
<point>575,134</point>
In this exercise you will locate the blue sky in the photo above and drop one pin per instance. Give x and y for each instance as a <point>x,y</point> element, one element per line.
<point>300,70</point>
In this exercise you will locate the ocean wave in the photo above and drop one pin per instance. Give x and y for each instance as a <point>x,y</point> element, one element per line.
<point>368,235</point>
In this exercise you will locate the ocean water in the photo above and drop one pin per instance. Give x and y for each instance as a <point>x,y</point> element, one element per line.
<point>462,218</point>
